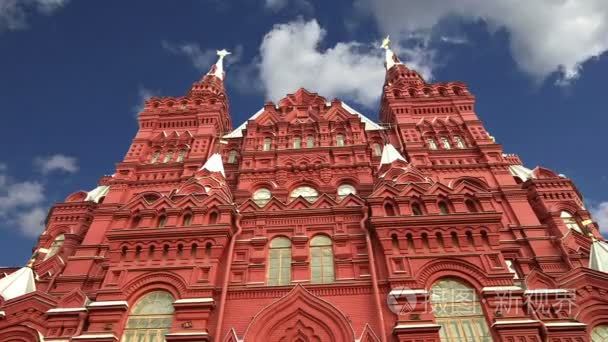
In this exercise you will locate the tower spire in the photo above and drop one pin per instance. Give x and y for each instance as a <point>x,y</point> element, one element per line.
<point>217,69</point>
<point>390,57</point>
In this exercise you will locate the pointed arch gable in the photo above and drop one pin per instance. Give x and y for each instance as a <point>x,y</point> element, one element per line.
<point>368,335</point>
<point>303,313</point>
<point>447,267</point>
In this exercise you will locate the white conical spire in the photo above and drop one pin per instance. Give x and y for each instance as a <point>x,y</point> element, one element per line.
<point>598,259</point>
<point>214,164</point>
<point>390,58</point>
<point>18,283</point>
<point>390,154</point>
<point>218,70</point>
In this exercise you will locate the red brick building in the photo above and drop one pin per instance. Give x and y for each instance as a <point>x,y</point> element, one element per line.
<point>311,222</point>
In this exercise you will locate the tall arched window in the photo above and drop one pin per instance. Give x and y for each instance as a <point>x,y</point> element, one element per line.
<point>459,142</point>
<point>154,157</point>
<point>262,196</point>
<point>168,157</point>
<point>340,140</point>
<point>471,206</point>
<point>309,193</point>
<point>55,246</point>
<point>150,318</point>
<point>267,144</point>
<point>279,262</point>
<point>232,156</point>
<point>187,219</point>
<point>162,220</point>
<point>416,210</point>
<point>389,209</point>
<point>321,260</point>
<point>445,143</point>
<point>377,150</point>
<point>180,156</point>
<point>600,333</point>
<point>310,141</point>
<point>570,221</point>
<point>297,142</point>
<point>431,143</point>
<point>458,311</point>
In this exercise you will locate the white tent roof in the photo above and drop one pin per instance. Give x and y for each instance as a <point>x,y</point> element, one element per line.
<point>214,164</point>
<point>370,125</point>
<point>97,193</point>
<point>599,256</point>
<point>390,154</point>
<point>18,283</point>
<point>522,172</point>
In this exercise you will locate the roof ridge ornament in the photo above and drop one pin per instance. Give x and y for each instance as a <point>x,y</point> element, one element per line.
<point>217,69</point>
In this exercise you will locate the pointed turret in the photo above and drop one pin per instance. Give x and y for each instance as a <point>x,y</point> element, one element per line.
<point>18,283</point>
<point>213,81</point>
<point>397,72</point>
<point>390,154</point>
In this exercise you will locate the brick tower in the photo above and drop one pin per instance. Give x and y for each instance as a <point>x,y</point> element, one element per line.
<point>311,222</point>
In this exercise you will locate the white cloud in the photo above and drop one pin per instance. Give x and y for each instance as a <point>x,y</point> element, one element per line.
<point>546,36</point>
<point>56,162</point>
<point>143,94</point>
<point>21,204</point>
<point>291,57</point>
<point>13,13</point>
<point>600,215</point>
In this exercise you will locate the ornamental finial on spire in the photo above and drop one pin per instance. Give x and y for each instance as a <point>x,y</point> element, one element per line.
<point>218,69</point>
<point>391,59</point>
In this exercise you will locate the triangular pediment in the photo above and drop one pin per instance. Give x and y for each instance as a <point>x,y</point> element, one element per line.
<point>351,201</point>
<point>274,205</point>
<point>385,190</point>
<point>299,203</point>
<point>324,201</point>
<point>301,98</point>
<point>440,189</point>
<point>73,299</point>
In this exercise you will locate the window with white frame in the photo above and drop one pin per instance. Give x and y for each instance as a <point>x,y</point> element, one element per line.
<point>150,319</point>
<point>345,190</point>
<point>262,196</point>
<point>309,193</point>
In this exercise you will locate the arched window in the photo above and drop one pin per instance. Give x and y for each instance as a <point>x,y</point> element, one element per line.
<point>267,144</point>
<point>570,221</point>
<point>445,143</point>
<point>55,246</point>
<point>431,143</point>
<point>600,333</point>
<point>150,318</point>
<point>458,311</point>
<point>459,142</point>
<point>232,156</point>
<point>309,193</point>
<point>345,190</point>
<point>377,150</point>
<point>154,157</point>
<point>416,209</point>
<point>310,141</point>
<point>395,242</point>
<point>262,196</point>
<point>321,260</point>
<point>297,142</point>
<point>471,206</point>
<point>168,157</point>
<point>187,220</point>
<point>162,220</point>
<point>279,262</point>
<point>340,140</point>
<point>180,156</point>
<point>389,209</point>
<point>443,208</point>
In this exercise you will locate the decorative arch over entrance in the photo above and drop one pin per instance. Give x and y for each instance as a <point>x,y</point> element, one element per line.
<point>20,333</point>
<point>299,316</point>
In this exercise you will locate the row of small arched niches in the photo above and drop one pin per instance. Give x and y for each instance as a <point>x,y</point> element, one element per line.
<point>451,239</point>
<point>419,209</point>
<point>151,251</point>
<point>185,220</point>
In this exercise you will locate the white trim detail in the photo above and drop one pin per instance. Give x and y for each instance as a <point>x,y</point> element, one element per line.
<point>59,310</point>
<point>93,336</point>
<point>416,326</point>
<point>546,291</point>
<point>193,333</point>
<point>2,314</point>
<point>501,288</point>
<point>514,321</point>
<point>565,324</point>
<point>108,303</point>
<point>194,300</point>
<point>397,293</point>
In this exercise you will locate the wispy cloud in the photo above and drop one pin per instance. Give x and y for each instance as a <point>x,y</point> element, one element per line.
<point>600,215</point>
<point>143,94</point>
<point>14,13</point>
<point>21,204</point>
<point>56,162</point>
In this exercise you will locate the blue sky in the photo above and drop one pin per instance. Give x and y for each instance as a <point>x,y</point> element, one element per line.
<point>74,73</point>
